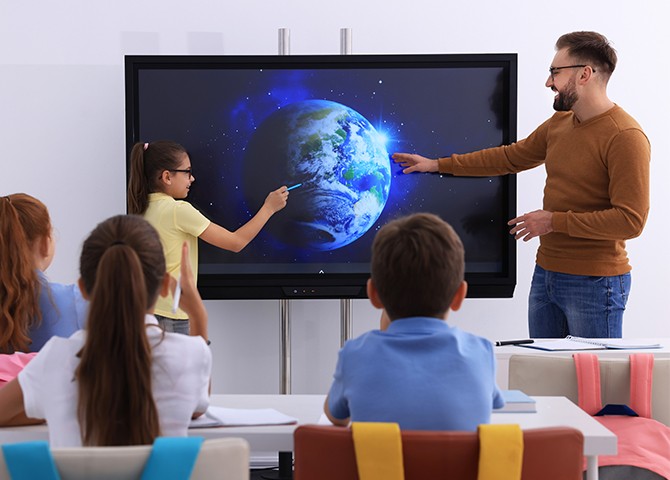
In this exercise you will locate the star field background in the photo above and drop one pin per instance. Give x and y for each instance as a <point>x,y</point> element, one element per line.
<point>214,113</point>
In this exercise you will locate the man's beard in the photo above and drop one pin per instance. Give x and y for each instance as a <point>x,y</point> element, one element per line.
<point>566,99</point>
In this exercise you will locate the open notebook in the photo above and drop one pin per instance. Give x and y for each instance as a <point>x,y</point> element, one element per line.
<point>579,343</point>
<point>239,417</point>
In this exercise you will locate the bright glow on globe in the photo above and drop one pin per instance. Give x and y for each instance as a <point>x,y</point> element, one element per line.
<point>342,163</point>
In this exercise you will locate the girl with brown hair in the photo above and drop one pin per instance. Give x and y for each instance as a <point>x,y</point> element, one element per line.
<point>32,309</point>
<point>122,381</point>
<point>160,179</point>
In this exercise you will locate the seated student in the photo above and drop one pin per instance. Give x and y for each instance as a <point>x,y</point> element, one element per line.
<point>122,380</point>
<point>32,309</point>
<point>416,370</point>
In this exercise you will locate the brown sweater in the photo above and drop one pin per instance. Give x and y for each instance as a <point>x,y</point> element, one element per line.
<point>597,187</point>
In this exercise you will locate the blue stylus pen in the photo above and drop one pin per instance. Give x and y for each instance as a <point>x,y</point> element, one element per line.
<point>294,186</point>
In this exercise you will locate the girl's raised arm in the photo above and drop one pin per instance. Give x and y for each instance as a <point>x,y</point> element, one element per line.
<point>240,238</point>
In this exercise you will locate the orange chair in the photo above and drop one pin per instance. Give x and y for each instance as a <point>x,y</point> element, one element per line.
<point>327,453</point>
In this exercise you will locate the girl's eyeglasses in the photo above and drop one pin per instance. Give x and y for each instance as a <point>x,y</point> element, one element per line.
<point>189,171</point>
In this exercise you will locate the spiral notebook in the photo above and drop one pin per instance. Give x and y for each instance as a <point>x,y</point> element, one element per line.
<point>579,343</point>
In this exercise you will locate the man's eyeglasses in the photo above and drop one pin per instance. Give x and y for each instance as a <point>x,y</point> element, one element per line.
<point>188,171</point>
<point>553,70</point>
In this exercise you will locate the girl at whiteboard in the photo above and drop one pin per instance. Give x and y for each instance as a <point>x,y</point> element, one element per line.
<point>160,178</point>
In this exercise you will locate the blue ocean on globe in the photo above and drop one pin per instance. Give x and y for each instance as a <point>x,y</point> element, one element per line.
<point>342,163</point>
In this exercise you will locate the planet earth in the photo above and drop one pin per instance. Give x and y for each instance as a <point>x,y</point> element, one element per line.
<point>339,159</point>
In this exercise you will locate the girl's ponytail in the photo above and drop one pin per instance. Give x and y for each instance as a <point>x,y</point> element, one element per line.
<point>147,162</point>
<point>122,269</point>
<point>138,183</point>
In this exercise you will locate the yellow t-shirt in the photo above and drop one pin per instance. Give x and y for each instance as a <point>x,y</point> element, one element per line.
<point>177,222</point>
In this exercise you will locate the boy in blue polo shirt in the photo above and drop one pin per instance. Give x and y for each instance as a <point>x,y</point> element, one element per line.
<point>416,370</point>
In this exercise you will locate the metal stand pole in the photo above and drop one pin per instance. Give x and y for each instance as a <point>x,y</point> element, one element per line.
<point>345,41</point>
<point>346,315</point>
<point>285,471</point>
<point>284,41</point>
<point>346,306</point>
<point>284,48</point>
<point>285,346</point>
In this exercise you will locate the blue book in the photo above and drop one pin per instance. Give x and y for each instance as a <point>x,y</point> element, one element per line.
<point>516,402</point>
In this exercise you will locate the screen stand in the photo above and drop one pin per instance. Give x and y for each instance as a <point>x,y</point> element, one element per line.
<point>284,48</point>
<point>285,346</point>
<point>285,471</point>
<point>345,41</point>
<point>346,315</point>
<point>346,310</point>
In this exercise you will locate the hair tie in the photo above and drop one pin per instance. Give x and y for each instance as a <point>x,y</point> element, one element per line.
<point>117,242</point>
<point>146,145</point>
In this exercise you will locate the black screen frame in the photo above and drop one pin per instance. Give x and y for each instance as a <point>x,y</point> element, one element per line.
<point>336,285</point>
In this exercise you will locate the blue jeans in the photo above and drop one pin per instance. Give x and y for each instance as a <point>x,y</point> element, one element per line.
<point>561,304</point>
<point>172,325</point>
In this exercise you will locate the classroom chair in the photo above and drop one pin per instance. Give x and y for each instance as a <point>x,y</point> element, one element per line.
<point>548,375</point>
<point>327,453</point>
<point>221,459</point>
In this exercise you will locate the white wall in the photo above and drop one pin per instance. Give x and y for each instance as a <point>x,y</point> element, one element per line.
<point>62,132</point>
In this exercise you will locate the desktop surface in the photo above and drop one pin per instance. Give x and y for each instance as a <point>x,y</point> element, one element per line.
<point>503,353</point>
<point>551,412</point>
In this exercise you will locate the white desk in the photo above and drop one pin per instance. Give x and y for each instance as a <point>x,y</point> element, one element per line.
<point>551,412</point>
<point>503,353</point>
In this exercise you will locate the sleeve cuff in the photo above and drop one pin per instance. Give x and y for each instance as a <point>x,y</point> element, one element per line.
<point>445,165</point>
<point>559,222</point>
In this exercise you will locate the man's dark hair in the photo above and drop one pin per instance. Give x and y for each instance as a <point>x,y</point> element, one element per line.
<point>590,48</point>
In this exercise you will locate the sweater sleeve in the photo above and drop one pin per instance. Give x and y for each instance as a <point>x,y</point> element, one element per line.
<point>517,157</point>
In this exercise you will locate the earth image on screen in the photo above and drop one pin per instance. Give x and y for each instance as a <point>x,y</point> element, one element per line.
<point>339,158</point>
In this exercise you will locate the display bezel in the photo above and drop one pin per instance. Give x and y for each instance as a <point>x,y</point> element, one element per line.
<point>337,285</point>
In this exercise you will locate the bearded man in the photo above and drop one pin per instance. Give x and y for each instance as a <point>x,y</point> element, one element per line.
<point>596,194</point>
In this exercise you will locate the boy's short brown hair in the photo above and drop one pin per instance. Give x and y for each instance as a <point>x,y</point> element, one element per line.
<point>417,266</point>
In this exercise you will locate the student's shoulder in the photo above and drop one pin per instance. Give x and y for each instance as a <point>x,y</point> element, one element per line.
<point>471,340</point>
<point>59,350</point>
<point>73,342</point>
<point>185,210</point>
<point>182,348</point>
<point>161,202</point>
<point>360,342</point>
<point>57,291</point>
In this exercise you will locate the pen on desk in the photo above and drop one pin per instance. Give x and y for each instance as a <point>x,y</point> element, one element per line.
<point>294,186</point>
<point>177,295</point>
<point>513,342</point>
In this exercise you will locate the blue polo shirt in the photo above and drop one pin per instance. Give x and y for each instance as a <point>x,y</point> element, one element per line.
<point>420,373</point>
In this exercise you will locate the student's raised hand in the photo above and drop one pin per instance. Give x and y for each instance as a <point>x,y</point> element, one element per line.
<point>412,162</point>
<point>190,300</point>
<point>276,200</point>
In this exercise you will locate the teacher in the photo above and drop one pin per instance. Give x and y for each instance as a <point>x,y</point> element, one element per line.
<point>596,194</point>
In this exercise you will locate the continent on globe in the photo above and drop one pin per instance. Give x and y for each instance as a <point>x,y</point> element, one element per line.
<point>341,161</point>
